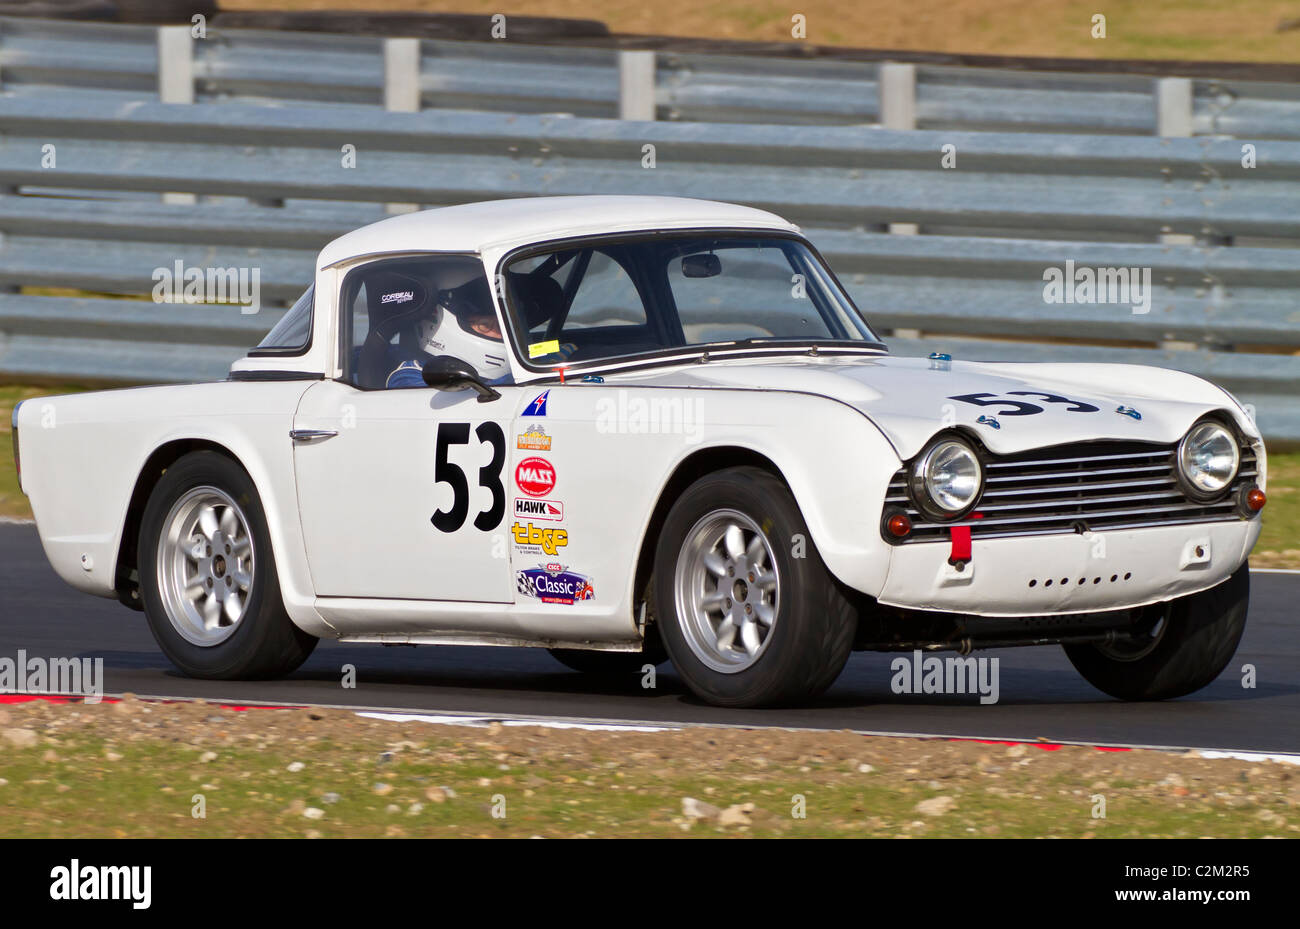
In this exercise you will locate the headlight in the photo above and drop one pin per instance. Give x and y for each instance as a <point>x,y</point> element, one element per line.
<point>947,479</point>
<point>1207,459</point>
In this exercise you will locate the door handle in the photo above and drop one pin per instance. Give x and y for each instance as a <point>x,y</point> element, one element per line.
<point>307,435</point>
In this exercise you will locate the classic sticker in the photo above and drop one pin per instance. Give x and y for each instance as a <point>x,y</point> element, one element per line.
<point>535,477</point>
<point>554,583</point>
<point>552,510</point>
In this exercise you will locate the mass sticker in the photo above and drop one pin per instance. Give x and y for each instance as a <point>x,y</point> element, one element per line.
<point>535,477</point>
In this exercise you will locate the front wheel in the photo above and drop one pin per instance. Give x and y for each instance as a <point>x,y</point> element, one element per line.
<point>747,610</point>
<point>1182,646</point>
<point>208,580</point>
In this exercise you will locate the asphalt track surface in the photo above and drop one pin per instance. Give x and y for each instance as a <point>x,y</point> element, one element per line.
<point>1041,696</point>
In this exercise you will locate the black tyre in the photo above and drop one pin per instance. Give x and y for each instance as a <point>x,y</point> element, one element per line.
<point>208,581</point>
<point>747,610</point>
<point>1187,644</point>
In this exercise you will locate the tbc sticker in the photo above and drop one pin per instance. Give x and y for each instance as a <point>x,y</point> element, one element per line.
<point>554,583</point>
<point>534,538</point>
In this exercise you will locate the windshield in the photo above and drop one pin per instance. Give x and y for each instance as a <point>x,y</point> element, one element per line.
<point>654,293</point>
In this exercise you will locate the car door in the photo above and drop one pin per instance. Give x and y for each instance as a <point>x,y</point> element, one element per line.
<point>404,493</point>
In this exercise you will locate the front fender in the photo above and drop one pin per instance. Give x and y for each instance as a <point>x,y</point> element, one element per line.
<point>836,462</point>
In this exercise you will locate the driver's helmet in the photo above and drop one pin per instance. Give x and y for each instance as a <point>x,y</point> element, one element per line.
<point>464,325</point>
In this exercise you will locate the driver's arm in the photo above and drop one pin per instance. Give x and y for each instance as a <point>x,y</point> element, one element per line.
<point>409,373</point>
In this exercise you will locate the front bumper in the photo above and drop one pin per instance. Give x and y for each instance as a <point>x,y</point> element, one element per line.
<point>1069,573</point>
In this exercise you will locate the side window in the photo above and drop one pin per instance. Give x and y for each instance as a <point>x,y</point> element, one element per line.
<point>397,314</point>
<point>606,297</point>
<point>594,295</point>
<point>292,334</point>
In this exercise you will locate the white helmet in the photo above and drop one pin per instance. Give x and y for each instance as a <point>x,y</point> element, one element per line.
<point>464,325</point>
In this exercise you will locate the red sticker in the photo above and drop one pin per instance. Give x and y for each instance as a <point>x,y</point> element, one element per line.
<point>535,477</point>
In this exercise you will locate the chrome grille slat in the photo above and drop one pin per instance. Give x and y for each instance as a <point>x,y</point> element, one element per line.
<point>1060,474</point>
<point>898,492</point>
<point>1103,485</point>
<point>1104,500</point>
<point>1101,514</point>
<point>1055,462</point>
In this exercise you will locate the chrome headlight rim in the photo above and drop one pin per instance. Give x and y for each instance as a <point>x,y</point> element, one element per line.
<point>919,484</point>
<point>1187,480</point>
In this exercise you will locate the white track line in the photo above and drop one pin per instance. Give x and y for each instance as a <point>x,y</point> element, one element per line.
<point>1280,757</point>
<point>481,722</point>
<point>652,725</point>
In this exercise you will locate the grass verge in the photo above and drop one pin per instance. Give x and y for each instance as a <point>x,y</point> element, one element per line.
<point>139,769</point>
<point>1245,30</point>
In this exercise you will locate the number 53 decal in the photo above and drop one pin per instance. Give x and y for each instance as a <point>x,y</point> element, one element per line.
<point>489,476</point>
<point>1020,407</point>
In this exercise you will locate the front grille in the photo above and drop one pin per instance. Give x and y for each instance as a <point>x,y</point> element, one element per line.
<point>1068,488</point>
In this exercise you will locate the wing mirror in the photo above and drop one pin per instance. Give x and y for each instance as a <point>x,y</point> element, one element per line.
<point>447,373</point>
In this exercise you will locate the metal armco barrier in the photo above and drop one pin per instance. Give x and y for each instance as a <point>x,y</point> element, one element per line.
<point>103,184</point>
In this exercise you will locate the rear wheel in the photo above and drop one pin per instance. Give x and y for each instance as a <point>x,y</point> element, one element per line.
<point>748,612</point>
<point>1181,646</point>
<point>208,580</point>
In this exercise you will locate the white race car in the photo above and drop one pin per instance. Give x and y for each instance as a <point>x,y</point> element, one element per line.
<point>636,428</point>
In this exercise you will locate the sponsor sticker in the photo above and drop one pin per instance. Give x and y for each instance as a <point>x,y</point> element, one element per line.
<point>538,406</point>
<point>535,476</point>
<point>551,510</point>
<point>534,439</point>
<point>554,583</point>
<point>536,538</point>
<point>401,296</point>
